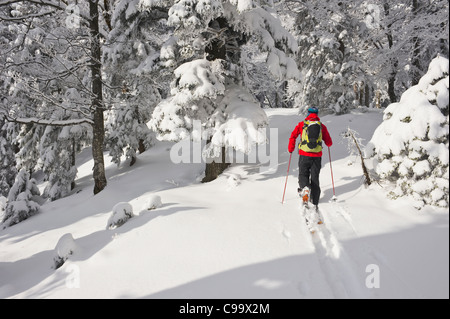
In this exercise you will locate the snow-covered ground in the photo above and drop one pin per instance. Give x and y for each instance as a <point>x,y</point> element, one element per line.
<point>231,238</point>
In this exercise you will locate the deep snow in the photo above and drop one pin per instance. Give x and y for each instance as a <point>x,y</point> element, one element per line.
<point>231,238</point>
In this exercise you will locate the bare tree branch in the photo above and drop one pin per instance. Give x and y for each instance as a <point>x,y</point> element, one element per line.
<point>35,120</point>
<point>56,5</point>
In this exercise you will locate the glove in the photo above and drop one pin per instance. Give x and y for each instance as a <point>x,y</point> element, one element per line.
<point>291,146</point>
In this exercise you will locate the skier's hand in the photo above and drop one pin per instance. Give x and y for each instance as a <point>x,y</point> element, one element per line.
<point>291,146</point>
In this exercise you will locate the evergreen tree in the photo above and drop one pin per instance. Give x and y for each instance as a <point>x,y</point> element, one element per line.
<point>21,203</point>
<point>8,170</point>
<point>58,148</point>
<point>131,63</point>
<point>411,145</point>
<point>328,55</point>
<point>209,83</point>
<point>400,39</point>
<point>47,52</point>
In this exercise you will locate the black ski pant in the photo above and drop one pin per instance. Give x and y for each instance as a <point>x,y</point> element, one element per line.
<point>309,170</point>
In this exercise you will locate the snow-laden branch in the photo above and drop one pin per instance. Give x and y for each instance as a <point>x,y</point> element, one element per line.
<point>35,120</point>
<point>27,16</point>
<point>60,5</point>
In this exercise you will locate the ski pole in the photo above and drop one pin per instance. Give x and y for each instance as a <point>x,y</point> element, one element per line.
<point>286,178</point>
<point>332,179</point>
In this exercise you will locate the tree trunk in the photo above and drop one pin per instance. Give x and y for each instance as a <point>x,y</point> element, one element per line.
<point>391,87</point>
<point>378,99</point>
<point>394,62</point>
<point>216,50</point>
<point>361,94</point>
<point>365,171</point>
<point>415,76</point>
<point>141,147</point>
<point>97,101</point>
<point>73,160</point>
<point>213,170</point>
<point>367,95</point>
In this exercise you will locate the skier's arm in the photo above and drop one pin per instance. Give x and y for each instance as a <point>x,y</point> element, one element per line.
<point>295,133</point>
<point>326,136</point>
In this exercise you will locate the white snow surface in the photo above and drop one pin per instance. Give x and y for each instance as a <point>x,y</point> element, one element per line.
<point>231,238</point>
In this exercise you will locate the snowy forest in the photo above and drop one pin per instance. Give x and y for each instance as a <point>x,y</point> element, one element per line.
<point>120,76</point>
<point>144,149</point>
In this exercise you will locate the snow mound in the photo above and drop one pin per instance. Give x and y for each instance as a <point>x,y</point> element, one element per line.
<point>153,202</point>
<point>233,180</point>
<point>64,248</point>
<point>121,213</point>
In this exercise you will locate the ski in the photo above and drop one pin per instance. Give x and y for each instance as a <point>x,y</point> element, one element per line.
<point>313,217</point>
<point>309,218</point>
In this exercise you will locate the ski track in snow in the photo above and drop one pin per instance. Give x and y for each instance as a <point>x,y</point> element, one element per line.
<point>338,269</point>
<point>341,271</point>
<point>344,274</point>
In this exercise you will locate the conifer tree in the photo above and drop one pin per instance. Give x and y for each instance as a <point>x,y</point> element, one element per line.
<point>208,83</point>
<point>131,63</point>
<point>411,145</point>
<point>8,170</point>
<point>21,203</point>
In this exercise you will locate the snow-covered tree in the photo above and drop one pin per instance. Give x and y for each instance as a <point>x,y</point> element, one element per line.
<point>21,203</point>
<point>400,39</point>
<point>327,34</point>
<point>127,133</point>
<point>269,91</point>
<point>411,145</point>
<point>131,62</point>
<point>8,170</point>
<point>209,84</point>
<point>47,52</point>
<point>58,148</point>
<point>27,139</point>
<point>363,52</point>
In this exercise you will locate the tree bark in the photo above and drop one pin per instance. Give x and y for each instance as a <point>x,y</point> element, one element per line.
<point>394,62</point>
<point>366,95</point>
<point>415,76</point>
<point>213,170</point>
<point>73,160</point>
<point>216,50</point>
<point>97,101</point>
<point>364,168</point>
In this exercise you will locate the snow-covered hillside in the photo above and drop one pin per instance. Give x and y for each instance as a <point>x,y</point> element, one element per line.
<point>231,238</point>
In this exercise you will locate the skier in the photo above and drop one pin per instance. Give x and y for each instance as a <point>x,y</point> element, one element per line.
<point>312,133</point>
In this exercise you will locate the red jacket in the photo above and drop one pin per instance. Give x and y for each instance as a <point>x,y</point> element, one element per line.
<point>298,132</point>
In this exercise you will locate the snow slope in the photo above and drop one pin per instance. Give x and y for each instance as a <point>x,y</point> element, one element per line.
<point>231,238</point>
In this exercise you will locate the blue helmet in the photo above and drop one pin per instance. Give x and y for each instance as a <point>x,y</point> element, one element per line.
<point>313,110</point>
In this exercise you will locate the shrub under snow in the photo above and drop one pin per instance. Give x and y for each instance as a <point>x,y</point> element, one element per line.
<point>121,213</point>
<point>411,145</point>
<point>153,202</point>
<point>64,248</point>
